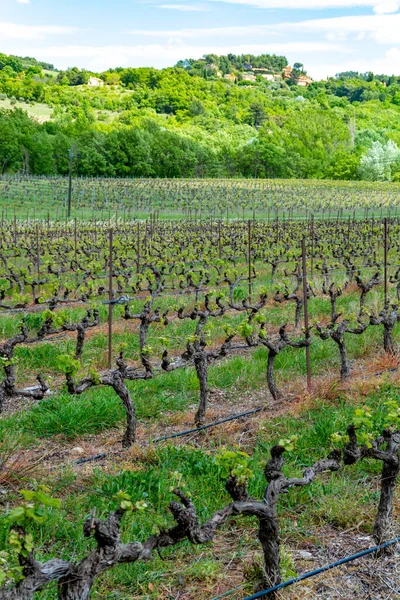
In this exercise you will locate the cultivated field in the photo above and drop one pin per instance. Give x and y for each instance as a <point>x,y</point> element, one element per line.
<point>218,199</point>
<point>162,307</point>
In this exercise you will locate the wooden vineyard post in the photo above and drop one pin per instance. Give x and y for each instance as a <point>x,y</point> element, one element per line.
<point>312,246</point>
<point>277,225</point>
<point>75,240</point>
<point>15,239</point>
<point>219,240</point>
<point>38,257</point>
<point>385,252</point>
<point>348,231</point>
<point>69,184</point>
<point>76,247</point>
<point>110,299</point>
<point>305,300</point>
<point>138,248</point>
<point>249,255</point>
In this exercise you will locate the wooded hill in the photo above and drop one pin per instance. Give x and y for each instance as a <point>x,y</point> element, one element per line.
<point>189,120</point>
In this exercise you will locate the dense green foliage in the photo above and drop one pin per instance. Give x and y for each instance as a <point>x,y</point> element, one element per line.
<point>233,62</point>
<point>189,121</point>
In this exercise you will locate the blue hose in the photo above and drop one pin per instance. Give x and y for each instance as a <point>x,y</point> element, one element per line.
<point>321,570</point>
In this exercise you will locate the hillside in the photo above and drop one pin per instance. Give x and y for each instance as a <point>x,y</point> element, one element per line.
<point>217,116</point>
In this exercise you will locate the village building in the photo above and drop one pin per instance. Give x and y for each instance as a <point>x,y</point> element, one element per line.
<point>268,77</point>
<point>260,70</point>
<point>287,72</point>
<point>95,82</point>
<point>304,81</point>
<point>249,77</point>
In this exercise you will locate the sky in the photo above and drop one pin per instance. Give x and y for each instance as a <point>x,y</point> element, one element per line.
<point>327,36</point>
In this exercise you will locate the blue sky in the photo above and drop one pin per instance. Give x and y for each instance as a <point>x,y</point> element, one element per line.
<point>326,35</point>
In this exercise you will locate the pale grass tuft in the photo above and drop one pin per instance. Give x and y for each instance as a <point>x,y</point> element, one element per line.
<point>17,464</point>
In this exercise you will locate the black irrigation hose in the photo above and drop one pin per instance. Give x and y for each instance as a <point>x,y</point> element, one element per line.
<point>342,561</point>
<point>81,461</point>
<point>393,370</point>
<point>203,427</point>
<point>180,434</point>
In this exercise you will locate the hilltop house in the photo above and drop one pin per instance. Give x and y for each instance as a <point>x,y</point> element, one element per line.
<point>302,80</point>
<point>287,72</point>
<point>248,77</point>
<point>269,76</point>
<point>95,82</point>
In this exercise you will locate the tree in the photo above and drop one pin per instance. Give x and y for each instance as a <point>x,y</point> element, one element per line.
<point>378,162</point>
<point>257,114</point>
<point>196,108</point>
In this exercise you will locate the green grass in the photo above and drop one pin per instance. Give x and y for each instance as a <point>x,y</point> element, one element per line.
<point>148,472</point>
<point>344,500</point>
<point>99,409</point>
<point>38,111</point>
<point>44,356</point>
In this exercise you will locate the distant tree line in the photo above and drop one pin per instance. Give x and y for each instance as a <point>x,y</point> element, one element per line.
<point>174,123</point>
<point>233,62</point>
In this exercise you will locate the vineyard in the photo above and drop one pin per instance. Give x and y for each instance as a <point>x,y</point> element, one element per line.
<point>202,376</point>
<point>46,198</point>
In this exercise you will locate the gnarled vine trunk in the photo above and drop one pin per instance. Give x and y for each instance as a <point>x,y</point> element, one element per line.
<point>201,366</point>
<point>121,389</point>
<point>344,361</point>
<point>390,473</point>
<point>275,393</point>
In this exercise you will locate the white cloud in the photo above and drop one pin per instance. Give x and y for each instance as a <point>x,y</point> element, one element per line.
<point>202,32</point>
<point>184,7</point>
<point>388,5</point>
<point>15,31</point>
<point>384,29</point>
<point>388,63</point>
<point>386,8</point>
<point>98,58</point>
